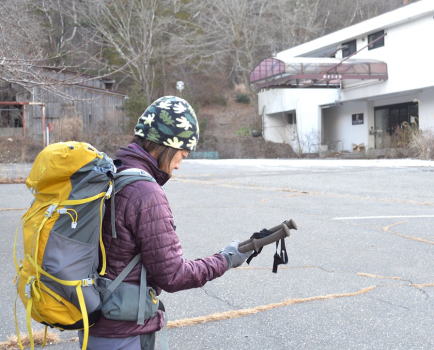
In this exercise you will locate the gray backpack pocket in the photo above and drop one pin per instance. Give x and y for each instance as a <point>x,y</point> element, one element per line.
<point>123,301</point>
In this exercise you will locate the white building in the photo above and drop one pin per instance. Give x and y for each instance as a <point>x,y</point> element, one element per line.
<point>356,86</point>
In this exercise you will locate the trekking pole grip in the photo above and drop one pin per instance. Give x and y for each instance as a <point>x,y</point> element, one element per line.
<point>277,233</point>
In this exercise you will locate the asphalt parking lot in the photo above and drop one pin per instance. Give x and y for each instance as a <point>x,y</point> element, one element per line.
<point>361,266</point>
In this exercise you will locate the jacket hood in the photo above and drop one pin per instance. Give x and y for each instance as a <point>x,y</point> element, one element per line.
<point>134,156</point>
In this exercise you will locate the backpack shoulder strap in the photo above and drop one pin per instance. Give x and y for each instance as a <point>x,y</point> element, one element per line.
<point>120,180</point>
<point>125,177</point>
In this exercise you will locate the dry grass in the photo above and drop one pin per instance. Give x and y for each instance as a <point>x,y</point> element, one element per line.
<point>18,180</point>
<point>422,144</point>
<point>245,312</point>
<point>18,149</point>
<point>66,129</point>
<point>410,141</point>
<point>38,336</point>
<point>24,150</point>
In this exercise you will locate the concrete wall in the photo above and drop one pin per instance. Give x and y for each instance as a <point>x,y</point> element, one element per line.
<point>306,104</point>
<point>426,109</point>
<point>278,129</point>
<point>339,133</point>
<point>409,58</point>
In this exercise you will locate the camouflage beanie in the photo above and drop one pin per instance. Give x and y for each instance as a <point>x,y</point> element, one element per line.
<point>169,121</point>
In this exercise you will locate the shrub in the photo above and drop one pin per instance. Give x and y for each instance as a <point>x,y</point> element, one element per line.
<point>243,131</point>
<point>402,136</point>
<point>422,144</point>
<point>242,98</point>
<point>212,99</point>
<point>67,128</point>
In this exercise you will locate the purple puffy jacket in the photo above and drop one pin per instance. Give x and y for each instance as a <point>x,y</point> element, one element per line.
<point>144,225</point>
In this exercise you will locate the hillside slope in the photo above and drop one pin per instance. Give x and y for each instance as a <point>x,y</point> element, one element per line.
<point>228,129</point>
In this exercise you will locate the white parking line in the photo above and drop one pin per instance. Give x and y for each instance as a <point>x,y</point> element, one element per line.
<point>383,217</point>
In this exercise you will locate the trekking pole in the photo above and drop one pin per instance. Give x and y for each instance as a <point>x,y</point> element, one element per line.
<point>274,234</point>
<point>264,237</point>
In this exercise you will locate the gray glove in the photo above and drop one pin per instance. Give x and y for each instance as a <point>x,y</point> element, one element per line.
<point>234,257</point>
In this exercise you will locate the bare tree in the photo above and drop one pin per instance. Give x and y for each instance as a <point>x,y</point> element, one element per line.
<point>36,46</point>
<point>338,14</point>
<point>60,22</point>
<point>233,34</point>
<point>21,43</point>
<point>238,33</point>
<point>148,42</point>
<point>129,34</point>
<point>294,22</point>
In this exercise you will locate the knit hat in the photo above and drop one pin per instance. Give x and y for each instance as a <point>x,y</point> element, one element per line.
<point>169,121</point>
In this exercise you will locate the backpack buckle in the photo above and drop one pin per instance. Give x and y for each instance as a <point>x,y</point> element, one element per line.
<point>87,282</point>
<point>50,210</point>
<point>109,191</point>
<point>154,298</point>
<point>28,291</point>
<point>28,288</point>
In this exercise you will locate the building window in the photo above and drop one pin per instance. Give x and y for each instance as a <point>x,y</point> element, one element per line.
<point>18,123</point>
<point>11,117</point>
<point>349,48</point>
<point>357,118</point>
<point>376,40</point>
<point>292,119</point>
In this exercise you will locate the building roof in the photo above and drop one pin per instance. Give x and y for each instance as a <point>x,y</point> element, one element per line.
<point>324,45</point>
<point>315,71</point>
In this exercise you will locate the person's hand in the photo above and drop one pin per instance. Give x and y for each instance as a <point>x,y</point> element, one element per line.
<point>234,257</point>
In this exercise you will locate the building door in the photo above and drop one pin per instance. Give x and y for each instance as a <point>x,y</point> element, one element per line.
<point>393,122</point>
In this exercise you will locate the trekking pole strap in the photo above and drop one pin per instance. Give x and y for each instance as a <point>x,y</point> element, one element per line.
<point>272,235</point>
<point>281,258</point>
<point>264,237</point>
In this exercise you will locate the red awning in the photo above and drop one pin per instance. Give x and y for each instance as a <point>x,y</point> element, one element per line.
<point>315,72</point>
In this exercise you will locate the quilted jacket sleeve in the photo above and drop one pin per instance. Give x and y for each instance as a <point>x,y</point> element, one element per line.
<point>151,221</point>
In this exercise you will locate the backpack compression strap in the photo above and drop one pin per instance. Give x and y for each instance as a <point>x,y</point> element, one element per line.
<point>143,287</point>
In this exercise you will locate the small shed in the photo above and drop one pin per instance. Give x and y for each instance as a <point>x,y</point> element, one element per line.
<point>36,111</point>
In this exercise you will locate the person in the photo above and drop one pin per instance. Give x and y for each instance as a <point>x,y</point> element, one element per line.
<point>165,134</point>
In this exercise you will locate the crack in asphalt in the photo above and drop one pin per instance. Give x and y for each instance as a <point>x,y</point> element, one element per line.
<point>216,297</point>
<point>387,229</point>
<point>388,302</point>
<point>423,291</point>
<point>409,283</point>
<point>413,238</point>
<point>418,286</point>
<point>303,192</point>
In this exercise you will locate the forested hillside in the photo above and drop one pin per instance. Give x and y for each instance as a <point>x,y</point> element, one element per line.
<point>147,45</point>
<point>144,47</point>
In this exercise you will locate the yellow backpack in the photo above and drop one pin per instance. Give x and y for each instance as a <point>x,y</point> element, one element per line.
<point>62,237</point>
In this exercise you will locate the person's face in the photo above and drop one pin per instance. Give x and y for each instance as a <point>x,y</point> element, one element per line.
<point>177,160</point>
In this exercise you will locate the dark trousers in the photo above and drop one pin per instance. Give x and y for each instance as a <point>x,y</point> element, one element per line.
<point>142,342</point>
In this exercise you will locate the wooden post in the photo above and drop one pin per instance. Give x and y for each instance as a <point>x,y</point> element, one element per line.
<point>44,126</point>
<point>23,119</point>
